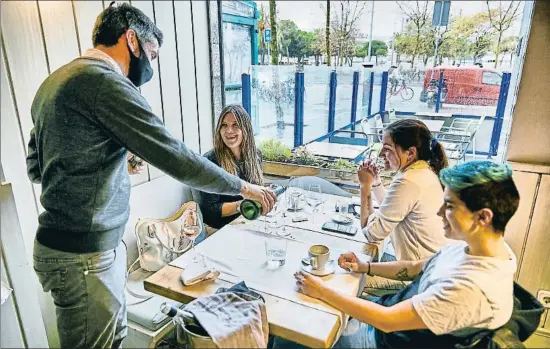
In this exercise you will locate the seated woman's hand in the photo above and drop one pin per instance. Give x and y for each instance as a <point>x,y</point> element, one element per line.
<point>349,262</point>
<point>366,175</point>
<point>309,285</point>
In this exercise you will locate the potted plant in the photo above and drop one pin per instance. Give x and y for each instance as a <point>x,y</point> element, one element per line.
<point>343,169</point>
<point>278,160</point>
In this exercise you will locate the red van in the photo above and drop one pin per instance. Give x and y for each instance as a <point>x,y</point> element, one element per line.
<point>466,85</point>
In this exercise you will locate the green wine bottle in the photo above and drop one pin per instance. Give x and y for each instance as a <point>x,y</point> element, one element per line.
<point>252,209</point>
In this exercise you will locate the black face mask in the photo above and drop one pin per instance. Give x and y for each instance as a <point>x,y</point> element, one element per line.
<point>140,70</point>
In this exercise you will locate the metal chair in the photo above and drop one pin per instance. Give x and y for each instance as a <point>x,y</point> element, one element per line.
<point>305,181</point>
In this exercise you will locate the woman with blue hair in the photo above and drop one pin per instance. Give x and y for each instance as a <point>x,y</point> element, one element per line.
<point>462,290</point>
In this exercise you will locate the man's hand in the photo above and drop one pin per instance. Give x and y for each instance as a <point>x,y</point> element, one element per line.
<point>135,164</point>
<point>309,285</point>
<point>263,195</point>
<point>350,262</point>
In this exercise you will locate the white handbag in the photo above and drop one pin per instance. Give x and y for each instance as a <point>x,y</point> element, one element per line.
<point>160,241</point>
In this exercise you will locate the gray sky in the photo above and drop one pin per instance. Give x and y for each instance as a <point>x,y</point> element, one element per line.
<point>309,15</point>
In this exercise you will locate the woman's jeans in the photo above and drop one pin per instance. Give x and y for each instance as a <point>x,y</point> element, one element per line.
<point>88,292</point>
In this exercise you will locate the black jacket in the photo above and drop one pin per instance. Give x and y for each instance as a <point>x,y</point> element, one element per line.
<point>211,204</point>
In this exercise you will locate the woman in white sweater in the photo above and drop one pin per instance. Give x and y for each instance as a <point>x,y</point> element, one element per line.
<point>408,208</point>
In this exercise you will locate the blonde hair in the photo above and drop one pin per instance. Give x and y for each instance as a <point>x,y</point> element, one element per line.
<point>249,153</point>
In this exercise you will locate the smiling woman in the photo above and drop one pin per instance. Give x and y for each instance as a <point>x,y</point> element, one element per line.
<point>235,151</point>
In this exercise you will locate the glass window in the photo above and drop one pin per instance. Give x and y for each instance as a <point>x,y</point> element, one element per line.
<point>237,8</point>
<point>237,49</point>
<point>491,78</point>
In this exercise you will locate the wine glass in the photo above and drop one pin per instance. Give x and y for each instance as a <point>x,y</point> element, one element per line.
<point>295,193</point>
<point>192,228</point>
<point>314,198</point>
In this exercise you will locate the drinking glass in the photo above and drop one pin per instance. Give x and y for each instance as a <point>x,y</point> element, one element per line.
<point>314,198</point>
<point>276,226</point>
<point>192,228</point>
<point>295,193</point>
<point>275,252</point>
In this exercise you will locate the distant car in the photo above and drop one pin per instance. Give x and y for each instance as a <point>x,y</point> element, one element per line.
<point>466,85</point>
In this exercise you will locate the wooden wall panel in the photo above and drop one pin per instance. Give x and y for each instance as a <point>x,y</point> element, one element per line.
<point>516,229</point>
<point>24,49</point>
<point>13,155</point>
<point>59,32</point>
<point>86,13</point>
<point>204,82</point>
<point>534,273</point>
<point>169,73</point>
<point>188,83</point>
<point>152,90</point>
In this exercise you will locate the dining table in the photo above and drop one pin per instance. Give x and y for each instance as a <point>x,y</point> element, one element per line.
<point>238,252</point>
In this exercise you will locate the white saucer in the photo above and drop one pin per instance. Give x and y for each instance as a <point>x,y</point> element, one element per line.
<point>330,268</point>
<point>342,218</point>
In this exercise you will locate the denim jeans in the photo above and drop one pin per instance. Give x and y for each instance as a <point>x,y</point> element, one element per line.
<point>88,292</point>
<point>356,335</point>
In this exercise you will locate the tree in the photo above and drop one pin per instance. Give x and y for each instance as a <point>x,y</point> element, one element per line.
<point>501,19</point>
<point>361,52</point>
<point>287,30</point>
<point>273,23</point>
<point>381,52</point>
<point>327,33</point>
<point>478,31</point>
<point>317,44</point>
<point>344,27</point>
<point>262,22</point>
<point>418,16</point>
<point>509,45</point>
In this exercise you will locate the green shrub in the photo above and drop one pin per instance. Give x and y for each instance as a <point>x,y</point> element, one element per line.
<point>342,164</point>
<point>274,150</point>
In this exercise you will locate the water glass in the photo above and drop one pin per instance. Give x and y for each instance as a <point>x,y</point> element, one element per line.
<point>314,198</point>
<point>276,226</point>
<point>275,252</point>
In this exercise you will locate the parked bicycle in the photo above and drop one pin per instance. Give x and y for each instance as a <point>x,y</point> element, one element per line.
<point>404,91</point>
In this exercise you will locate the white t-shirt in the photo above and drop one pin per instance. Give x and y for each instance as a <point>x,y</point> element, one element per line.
<point>409,213</point>
<point>459,293</point>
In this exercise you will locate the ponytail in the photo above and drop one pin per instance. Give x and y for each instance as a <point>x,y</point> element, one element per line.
<point>408,133</point>
<point>438,158</point>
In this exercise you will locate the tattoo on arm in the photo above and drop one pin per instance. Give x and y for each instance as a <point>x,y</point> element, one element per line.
<point>403,275</point>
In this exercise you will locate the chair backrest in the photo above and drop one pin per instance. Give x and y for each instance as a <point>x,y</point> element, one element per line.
<point>326,186</point>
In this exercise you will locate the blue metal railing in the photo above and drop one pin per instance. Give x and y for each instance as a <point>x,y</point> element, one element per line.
<point>299,93</point>
<point>332,102</point>
<point>299,109</point>
<point>439,91</point>
<point>354,95</point>
<point>247,95</point>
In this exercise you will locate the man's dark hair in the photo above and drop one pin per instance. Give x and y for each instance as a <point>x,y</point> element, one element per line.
<point>484,184</point>
<point>116,19</point>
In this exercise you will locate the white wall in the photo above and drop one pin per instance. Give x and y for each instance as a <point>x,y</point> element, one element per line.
<point>40,36</point>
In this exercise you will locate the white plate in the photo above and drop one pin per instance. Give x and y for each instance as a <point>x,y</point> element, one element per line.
<point>342,218</point>
<point>329,268</point>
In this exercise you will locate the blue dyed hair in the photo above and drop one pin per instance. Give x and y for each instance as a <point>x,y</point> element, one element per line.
<point>484,184</point>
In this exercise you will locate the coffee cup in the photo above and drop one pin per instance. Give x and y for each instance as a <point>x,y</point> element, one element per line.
<point>318,256</point>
